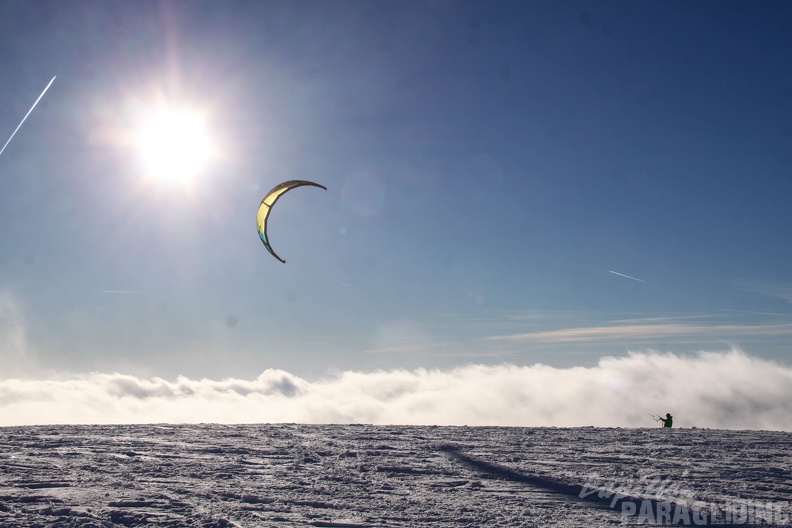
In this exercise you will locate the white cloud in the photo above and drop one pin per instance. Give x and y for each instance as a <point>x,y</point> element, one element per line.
<point>644,332</point>
<point>712,389</point>
<point>780,290</point>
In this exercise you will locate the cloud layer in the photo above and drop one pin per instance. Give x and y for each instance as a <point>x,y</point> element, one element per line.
<point>728,389</point>
<point>646,332</point>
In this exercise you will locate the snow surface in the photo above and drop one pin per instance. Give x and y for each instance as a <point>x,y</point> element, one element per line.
<point>387,476</point>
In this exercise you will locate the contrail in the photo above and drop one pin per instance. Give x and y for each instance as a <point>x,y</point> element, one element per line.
<point>626,276</point>
<point>26,116</point>
<point>119,291</point>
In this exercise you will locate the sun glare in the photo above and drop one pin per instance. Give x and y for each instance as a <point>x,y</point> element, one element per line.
<point>175,145</point>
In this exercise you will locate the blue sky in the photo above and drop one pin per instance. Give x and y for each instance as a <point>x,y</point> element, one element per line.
<point>488,164</point>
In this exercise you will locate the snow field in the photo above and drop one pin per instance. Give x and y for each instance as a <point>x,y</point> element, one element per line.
<point>382,476</point>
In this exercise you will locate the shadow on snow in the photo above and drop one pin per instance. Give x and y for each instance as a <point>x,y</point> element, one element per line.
<point>641,509</point>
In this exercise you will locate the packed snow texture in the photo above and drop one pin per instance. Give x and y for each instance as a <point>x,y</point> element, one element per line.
<point>390,476</point>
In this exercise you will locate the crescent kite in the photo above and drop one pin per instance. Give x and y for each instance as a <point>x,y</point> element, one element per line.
<point>266,207</point>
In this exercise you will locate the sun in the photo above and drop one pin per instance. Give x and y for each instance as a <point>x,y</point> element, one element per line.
<point>175,145</point>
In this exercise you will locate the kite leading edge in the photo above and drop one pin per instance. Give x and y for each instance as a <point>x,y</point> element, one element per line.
<point>266,207</point>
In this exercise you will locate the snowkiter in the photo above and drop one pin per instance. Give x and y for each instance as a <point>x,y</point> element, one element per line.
<point>668,421</point>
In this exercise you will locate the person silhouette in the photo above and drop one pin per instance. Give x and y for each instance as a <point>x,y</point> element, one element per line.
<point>668,421</point>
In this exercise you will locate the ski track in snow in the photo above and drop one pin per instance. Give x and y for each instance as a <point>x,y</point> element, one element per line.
<point>372,476</point>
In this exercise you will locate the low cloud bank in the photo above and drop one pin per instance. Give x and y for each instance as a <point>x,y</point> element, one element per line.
<point>727,389</point>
